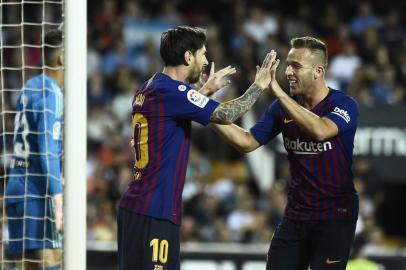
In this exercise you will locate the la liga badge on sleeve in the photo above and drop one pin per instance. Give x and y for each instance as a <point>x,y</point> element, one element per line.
<point>197,99</point>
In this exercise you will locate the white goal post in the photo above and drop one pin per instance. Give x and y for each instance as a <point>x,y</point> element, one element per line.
<point>22,23</point>
<point>75,135</point>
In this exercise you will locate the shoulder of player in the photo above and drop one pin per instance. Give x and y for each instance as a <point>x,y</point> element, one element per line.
<point>171,87</point>
<point>342,97</point>
<point>34,83</point>
<point>48,98</point>
<point>40,82</point>
<point>31,93</point>
<point>274,106</point>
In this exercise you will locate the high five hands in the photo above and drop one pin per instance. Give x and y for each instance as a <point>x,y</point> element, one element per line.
<point>266,73</point>
<point>215,81</point>
<point>264,78</point>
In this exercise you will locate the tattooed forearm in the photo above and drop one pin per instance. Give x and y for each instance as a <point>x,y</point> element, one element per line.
<point>228,112</point>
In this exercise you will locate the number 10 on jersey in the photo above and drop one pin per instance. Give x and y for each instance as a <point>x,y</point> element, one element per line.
<point>159,250</point>
<point>140,140</point>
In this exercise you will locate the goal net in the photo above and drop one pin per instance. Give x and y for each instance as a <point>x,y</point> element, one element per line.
<point>23,25</point>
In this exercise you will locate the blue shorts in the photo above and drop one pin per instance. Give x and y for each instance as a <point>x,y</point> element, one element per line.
<point>35,225</point>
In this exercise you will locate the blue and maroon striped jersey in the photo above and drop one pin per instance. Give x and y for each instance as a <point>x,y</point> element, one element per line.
<point>321,185</point>
<point>162,113</point>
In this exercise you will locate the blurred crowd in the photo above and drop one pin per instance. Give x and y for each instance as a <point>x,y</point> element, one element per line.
<point>222,200</point>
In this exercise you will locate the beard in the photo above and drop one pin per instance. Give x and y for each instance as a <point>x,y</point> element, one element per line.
<point>193,78</point>
<point>194,75</point>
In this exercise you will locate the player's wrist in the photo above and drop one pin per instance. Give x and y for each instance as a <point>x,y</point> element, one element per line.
<point>205,90</point>
<point>278,92</point>
<point>259,85</point>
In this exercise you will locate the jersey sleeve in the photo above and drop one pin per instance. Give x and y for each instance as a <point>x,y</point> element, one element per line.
<point>268,125</point>
<point>49,124</point>
<point>181,101</point>
<point>344,114</point>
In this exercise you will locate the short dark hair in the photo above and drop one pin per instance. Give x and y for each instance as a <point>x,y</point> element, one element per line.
<point>52,47</point>
<point>316,46</point>
<point>175,42</point>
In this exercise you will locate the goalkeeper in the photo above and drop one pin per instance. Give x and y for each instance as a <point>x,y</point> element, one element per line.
<point>34,200</point>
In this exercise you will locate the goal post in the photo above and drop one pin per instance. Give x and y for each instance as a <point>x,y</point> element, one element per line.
<point>23,24</point>
<point>75,135</point>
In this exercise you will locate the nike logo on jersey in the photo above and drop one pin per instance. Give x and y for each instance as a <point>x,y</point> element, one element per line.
<point>329,261</point>
<point>287,121</point>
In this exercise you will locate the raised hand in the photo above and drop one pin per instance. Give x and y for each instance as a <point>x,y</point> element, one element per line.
<point>202,80</point>
<point>263,76</point>
<point>275,88</point>
<point>216,80</point>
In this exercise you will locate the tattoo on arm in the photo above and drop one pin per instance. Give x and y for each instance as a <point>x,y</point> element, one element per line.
<point>228,112</point>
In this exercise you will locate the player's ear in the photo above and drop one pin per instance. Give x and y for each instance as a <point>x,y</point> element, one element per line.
<point>318,72</point>
<point>60,60</point>
<point>188,57</point>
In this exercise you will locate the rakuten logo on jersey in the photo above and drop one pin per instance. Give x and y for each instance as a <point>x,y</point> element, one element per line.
<point>306,148</point>
<point>342,113</point>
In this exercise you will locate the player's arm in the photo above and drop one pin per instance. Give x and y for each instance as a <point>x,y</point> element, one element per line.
<point>228,112</point>
<point>319,128</point>
<point>237,137</point>
<point>50,156</point>
<point>50,130</point>
<point>266,128</point>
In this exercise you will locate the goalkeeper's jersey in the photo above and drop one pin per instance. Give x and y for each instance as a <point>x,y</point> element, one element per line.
<point>35,170</point>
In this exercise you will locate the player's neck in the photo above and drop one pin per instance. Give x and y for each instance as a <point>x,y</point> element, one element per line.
<point>315,95</point>
<point>178,73</point>
<point>56,74</point>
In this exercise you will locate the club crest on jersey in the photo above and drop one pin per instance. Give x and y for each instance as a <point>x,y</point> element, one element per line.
<point>197,99</point>
<point>342,113</point>
<point>139,100</point>
<point>182,87</point>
